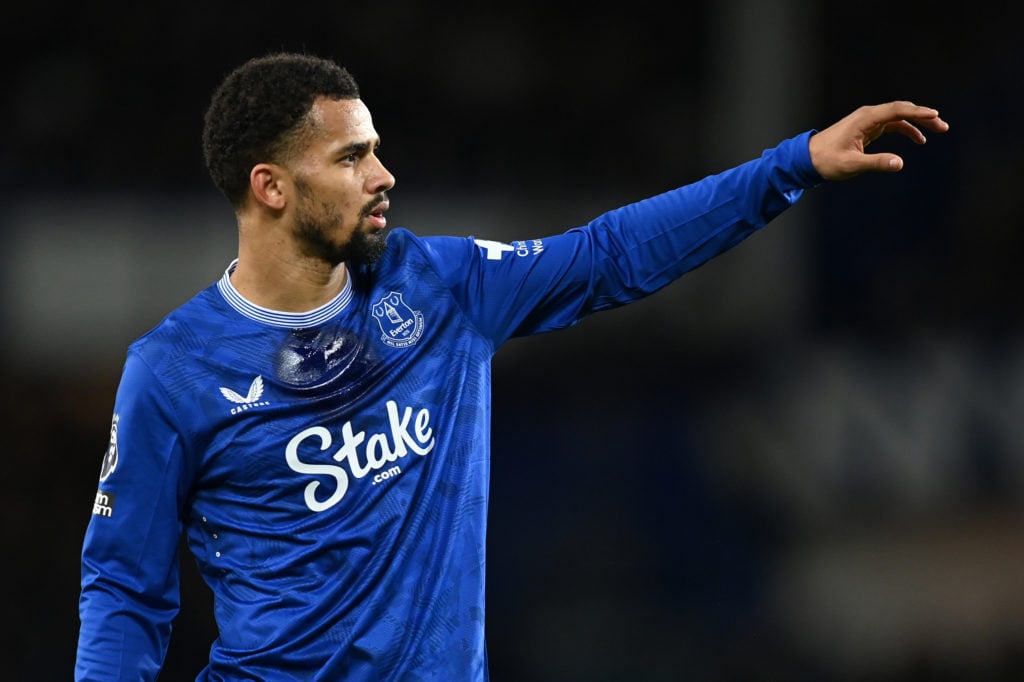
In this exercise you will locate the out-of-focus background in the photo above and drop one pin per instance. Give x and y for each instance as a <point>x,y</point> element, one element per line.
<point>804,461</point>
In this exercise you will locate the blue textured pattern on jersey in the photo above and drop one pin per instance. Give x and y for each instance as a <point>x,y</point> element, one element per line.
<point>330,470</point>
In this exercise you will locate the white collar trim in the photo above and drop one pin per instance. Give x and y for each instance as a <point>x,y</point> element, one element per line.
<point>278,318</point>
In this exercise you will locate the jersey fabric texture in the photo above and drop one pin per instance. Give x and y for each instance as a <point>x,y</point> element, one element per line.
<point>330,469</point>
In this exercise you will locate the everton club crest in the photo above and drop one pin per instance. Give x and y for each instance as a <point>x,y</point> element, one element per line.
<point>400,325</point>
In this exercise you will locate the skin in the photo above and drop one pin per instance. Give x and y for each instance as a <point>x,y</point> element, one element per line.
<point>838,152</point>
<point>306,216</point>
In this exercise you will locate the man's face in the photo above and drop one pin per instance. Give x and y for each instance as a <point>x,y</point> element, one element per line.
<point>340,186</point>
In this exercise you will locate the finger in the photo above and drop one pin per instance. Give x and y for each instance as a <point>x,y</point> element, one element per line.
<point>906,111</point>
<point>929,121</point>
<point>935,123</point>
<point>924,116</point>
<point>885,162</point>
<point>906,129</point>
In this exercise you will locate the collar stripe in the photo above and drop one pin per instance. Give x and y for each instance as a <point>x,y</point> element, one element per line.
<point>278,318</point>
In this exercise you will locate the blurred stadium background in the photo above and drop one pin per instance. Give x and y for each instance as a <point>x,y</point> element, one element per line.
<point>805,461</point>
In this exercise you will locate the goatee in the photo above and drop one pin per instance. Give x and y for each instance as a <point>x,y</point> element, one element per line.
<point>365,248</point>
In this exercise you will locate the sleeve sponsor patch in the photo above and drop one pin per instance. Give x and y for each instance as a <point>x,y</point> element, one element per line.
<point>104,504</point>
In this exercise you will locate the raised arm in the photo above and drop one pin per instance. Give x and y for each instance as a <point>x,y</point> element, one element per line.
<point>838,152</point>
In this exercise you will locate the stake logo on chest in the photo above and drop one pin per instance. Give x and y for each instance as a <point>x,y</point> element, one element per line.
<point>360,454</point>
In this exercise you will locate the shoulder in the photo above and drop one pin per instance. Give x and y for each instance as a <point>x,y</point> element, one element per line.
<point>407,251</point>
<point>205,309</point>
<point>404,243</point>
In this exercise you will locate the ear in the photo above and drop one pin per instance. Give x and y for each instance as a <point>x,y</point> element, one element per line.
<point>266,182</point>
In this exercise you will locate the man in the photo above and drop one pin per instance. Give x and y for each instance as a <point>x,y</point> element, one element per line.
<point>316,421</point>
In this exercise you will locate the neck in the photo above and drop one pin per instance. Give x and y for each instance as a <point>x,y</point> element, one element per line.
<point>284,283</point>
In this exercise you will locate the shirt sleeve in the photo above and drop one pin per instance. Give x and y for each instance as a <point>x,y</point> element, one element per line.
<point>538,285</point>
<point>130,570</point>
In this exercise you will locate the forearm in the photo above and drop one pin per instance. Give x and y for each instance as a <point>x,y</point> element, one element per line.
<point>646,245</point>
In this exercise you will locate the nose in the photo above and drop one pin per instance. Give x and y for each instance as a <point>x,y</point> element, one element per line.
<point>381,180</point>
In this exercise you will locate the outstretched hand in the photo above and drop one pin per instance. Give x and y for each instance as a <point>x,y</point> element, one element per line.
<point>838,152</point>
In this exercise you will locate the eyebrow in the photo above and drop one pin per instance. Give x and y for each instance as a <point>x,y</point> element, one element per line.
<point>360,147</point>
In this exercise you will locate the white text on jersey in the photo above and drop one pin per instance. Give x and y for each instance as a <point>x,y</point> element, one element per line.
<point>379,451</point>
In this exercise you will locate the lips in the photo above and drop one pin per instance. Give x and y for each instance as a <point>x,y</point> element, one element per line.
<point>376,215</point>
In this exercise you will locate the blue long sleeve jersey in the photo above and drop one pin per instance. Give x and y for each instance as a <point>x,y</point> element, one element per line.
<point>330,469</point>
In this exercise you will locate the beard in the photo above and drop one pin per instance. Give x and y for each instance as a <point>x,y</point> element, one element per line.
<point>313,229</point>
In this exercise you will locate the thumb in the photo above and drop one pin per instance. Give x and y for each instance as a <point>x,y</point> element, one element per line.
<point>887,163</point>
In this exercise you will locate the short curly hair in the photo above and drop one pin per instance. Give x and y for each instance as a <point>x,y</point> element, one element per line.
<point>259,110</point>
